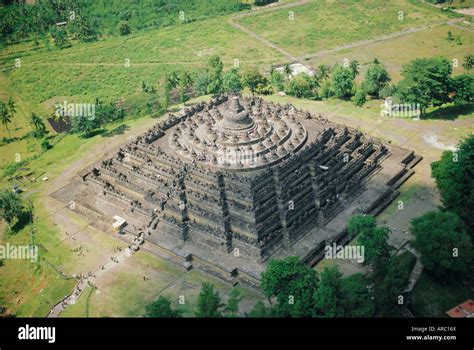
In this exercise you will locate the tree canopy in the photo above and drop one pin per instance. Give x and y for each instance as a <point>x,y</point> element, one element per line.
<point>442,240</point>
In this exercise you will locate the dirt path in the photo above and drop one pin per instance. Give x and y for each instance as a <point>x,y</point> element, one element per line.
<point>368,42</point>
<point>264,41</point>
<point>93,278</point>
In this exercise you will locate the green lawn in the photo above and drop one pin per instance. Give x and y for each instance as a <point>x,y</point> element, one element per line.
<point>323,25</point>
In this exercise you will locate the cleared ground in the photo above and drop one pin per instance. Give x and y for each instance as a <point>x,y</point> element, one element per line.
<point>322,25</point>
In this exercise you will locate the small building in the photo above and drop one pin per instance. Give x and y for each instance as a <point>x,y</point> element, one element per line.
<point>464,310</point>
<point>119,223</point>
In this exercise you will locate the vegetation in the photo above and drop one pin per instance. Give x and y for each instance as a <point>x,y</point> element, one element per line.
<point>209,302</point>
<point>162,308</point>
<point>376,79</point>
<point>12,209</point>
<point>445,247</point>
<point>301,292</point>
<point>454,176</point>
<point>84,19</point>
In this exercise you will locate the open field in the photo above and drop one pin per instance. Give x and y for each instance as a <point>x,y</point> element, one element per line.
<point>323,25</point>
<point>396,52</point>
<point>87,71</point>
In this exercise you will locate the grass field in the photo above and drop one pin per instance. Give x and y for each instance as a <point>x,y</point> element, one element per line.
<point>323,25</point>
<point>86,71</point>
<point>396,52</point>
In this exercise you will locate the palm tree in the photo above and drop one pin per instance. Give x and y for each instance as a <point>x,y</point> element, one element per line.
<point>354,65</point>
<point>287,70</point>
<point>468,62</point>
<point>37,123</point>
<point>5,117</point>
<point>323,72</point>
<point>12,109</point>
<point>184,80</point>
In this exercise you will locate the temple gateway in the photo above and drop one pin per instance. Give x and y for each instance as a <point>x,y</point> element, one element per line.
<point>226,185</point>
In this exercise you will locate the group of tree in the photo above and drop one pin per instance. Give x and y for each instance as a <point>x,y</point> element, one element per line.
<point>45,21</point>
<point>85,20</point>
<point>209,304</point>
<point>12,209</point>
<point>213,80</point>
<point>299,291</point>
<point>427,82</point>
<point>445,237</point>
<point>337,81</point>
<point>88,125</point>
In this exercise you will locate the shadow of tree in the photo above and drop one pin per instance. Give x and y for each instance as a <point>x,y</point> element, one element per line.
<point>22,221</point>
<point>449,112</point>
<point>119,130</point>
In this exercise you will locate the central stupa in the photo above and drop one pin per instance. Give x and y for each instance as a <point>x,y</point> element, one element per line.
<point>239,135</point>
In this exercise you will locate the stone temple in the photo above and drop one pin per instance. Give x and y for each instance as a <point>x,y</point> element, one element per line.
<point>226,185</point>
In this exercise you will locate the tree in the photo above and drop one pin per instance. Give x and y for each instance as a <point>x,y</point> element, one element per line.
<point>323,71</point>
<point>124,28</point>
<point>278,80</point>
<point>253,79</point>
<point>443,243</point>
<point>454,176</point>
<point>215,75</point>
<point>232,307</point>
<point>468,62</point>
<point>185,80</point>
<point>359,223</point>
<point>354,66</point>
<point>11,105</point>
<point>375,79</point>
<point>11,207</point>
<point>342,82</point>
<point>85,125</point>
<point>209,302</point>
<point>5,116</point>
<point>359,98</point>
<point>329,298</point>
<point>84,31</point>
<point>463,89</point>
<point>60,38</point>
<point>301,86</point>
<point>38,124</point>
<point>260,310</point>
<point>288,72</point>
<point>162,308</point>
<point>357,296</point>
<point>231,82</point>
<point>201,82</point>
<point>293,284</point>
<point>376,248</point>
<point>394,282</point>
<point>426,82</point>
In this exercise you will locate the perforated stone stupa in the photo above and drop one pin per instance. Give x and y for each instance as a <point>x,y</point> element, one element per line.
<point>225,185</point>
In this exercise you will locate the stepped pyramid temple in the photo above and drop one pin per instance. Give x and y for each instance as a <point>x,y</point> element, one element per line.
<point>224,186</point>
